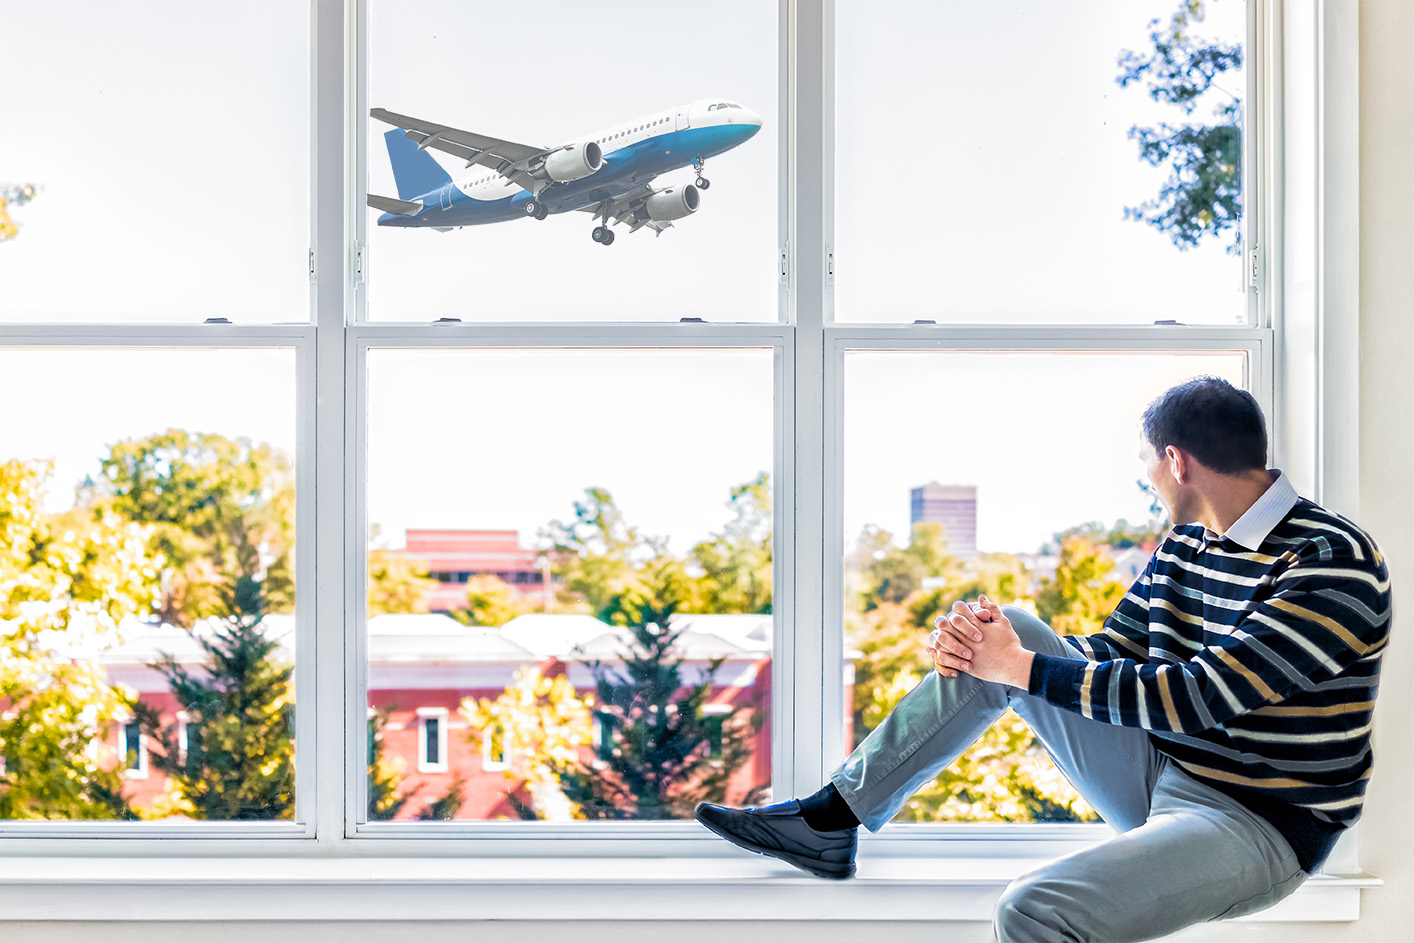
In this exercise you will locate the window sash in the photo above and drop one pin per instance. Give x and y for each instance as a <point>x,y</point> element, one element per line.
<point>809,348</point>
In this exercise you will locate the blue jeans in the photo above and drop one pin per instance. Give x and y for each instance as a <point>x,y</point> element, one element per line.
<point>1185,852</point>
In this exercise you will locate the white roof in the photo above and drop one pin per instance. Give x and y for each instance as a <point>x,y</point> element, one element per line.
<point>437,639</point>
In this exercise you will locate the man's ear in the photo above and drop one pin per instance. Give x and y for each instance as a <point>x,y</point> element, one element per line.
<point>1178,464</point>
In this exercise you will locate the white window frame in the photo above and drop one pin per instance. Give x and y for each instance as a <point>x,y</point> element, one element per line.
<point>424,714</point>
<point>1303,368</point>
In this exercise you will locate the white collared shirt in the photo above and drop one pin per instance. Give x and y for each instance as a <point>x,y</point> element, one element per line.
<point>1258,521</point>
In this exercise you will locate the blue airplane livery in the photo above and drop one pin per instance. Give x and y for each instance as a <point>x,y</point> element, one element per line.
<point>608,174</point>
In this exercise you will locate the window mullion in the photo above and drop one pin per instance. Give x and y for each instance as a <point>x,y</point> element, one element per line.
<point>323,805</point>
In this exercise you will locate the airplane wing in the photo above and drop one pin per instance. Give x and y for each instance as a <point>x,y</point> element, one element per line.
<point>507,158</point>
<point>625,208</point>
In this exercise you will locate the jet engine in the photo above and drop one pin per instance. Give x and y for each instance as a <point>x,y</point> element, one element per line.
<point>672,203</point>
<point>574,162</point>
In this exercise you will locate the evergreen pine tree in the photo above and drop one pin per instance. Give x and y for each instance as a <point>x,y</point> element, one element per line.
<point>239,761</point>
<point>661,753</point>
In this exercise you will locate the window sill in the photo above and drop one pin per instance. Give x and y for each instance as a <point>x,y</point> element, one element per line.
<point>699,889</point>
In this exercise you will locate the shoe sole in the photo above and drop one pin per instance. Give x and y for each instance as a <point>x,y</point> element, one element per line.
<point>804,864</point>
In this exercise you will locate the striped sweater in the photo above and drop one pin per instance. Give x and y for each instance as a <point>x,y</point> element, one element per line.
<point>1253,667</point>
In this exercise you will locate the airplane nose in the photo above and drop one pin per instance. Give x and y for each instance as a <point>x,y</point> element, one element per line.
<point>749,117</point>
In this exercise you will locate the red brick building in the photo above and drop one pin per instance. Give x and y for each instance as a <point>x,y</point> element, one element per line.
<point>453,557</point>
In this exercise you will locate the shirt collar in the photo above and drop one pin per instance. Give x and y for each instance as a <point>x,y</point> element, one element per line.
<point>1258,521</point>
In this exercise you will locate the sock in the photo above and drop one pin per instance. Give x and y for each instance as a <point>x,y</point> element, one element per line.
<point>826,810</point>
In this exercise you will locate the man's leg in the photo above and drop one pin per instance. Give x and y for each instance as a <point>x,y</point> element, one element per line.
<point>1114,768</point>
<point>1201,856</point>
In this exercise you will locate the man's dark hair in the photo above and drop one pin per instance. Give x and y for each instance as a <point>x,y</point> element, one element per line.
<point>1212,420</point>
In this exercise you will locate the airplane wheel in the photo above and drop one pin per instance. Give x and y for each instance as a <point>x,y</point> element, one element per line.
<point>532,208</point>
<point>703,183</point>
<point>598,234</point>
<point>542,212</point>
<point>608,238</point>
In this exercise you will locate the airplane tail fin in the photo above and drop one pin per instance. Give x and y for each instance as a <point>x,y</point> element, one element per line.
<point>415,171</point>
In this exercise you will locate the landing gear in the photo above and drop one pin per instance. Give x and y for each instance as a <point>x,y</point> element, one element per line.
<point>536,209</point>
<point>602,234</point>
<point>702,182</point>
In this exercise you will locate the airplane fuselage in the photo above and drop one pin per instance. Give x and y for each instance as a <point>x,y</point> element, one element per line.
<point>634,153</point>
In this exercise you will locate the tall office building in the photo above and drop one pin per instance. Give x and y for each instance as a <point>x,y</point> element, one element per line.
<point>953,506</point>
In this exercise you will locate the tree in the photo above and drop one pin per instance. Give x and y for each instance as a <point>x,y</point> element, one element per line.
<point>220,510</point>
<point>239,761</point>
<point>663,754</point>
<point>542,726</point>
<point>385,775</point>
<point>1081,595</point>
<point>489,602</point>
<point>737,562</point>
<point>396,582</point>
<point>1203,194</point>
<point>13,195</point>
<point>596,554</point>
<point>67,582</point>
<point>895,574</point>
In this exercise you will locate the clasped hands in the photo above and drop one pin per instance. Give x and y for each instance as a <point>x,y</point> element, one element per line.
<point>977,639</point>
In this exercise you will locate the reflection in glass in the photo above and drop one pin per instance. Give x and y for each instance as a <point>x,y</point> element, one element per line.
<point>570,582</point>
<point>1015,475</point>
<point>1046,164</point>
<point>146,584</point>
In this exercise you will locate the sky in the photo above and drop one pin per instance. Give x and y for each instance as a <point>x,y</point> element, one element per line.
<point>982,170</point>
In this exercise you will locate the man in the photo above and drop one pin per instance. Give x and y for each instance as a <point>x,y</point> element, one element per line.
<point>1220,721</point>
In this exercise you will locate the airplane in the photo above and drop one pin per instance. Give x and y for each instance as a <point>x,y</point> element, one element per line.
<point>607,174</point>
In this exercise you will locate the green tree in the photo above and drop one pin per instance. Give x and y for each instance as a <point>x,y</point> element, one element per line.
<point>1082,594</point>
<point>396,582</point>
<point>736,563</point>
<point>664,753</point>
<point>447,805</point>
<point>542,726</point>
<point>597,553</point>
<point>239,762</point>
<point>490,602</point>
<point>67,582</point>
<point>220,510</point>
<point>13,194</point>
<point>385,776</point>
<point>894,574</point>
<point>1203,194</point>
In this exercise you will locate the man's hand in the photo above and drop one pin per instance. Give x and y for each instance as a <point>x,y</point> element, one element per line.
<point>979,640</point>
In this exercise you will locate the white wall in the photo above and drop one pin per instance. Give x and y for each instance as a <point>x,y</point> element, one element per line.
<point>1387,509</point>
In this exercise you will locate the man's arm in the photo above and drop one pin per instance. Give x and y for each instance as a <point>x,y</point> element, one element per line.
<point>1323,617</point>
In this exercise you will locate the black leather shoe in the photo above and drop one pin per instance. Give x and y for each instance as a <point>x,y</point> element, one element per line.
<point>779,831</point>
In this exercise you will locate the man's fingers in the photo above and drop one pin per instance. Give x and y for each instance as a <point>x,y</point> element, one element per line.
<point>965,621</point>
<point>944,661</point>
<point>941,641</point>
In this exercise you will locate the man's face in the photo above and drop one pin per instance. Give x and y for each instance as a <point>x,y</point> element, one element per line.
<point>1160,472</point>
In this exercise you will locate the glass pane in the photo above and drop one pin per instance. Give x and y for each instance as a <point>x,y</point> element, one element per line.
<point>1029,135</point>
<point>589,78</point>
<point>557,565</point>
<point>147,594</point>
<point>975,472</point>
<point>169,142</point>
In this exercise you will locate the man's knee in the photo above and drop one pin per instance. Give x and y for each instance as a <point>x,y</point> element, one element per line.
<point>1034,633</point>
<point>1031,911</point>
